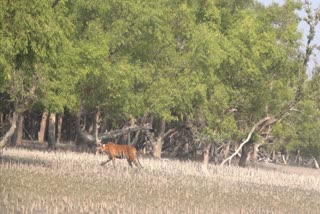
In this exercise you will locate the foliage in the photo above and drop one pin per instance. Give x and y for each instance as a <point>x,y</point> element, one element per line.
<point>171,59</point>
<point>301,130</point>
<point>33,37</point>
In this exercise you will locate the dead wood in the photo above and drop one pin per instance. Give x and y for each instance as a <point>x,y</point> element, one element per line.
<point>10,132</point>
<point>315,162</point>
<point>127,130</point>
<point>247,139</point>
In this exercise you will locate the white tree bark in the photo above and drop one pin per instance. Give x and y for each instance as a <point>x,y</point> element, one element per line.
<point>246,140</point>
<point>10,132</point>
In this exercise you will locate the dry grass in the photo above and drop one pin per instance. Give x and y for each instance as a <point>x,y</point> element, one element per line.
<point>66,182</point>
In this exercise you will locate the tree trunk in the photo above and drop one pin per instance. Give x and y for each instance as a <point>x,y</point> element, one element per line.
<point>236,147</point>
<point>104,126</point>
<point>1,119</point>
<point>255,153</point>
<point>137,135</point>
<point>96,125</point>
<point>87,124</point>
<point>78,127</point>
<point>245,141</point>
<point>19,130</point>
<point>126,138</point>
<point>205,155</point>
<point>176,148</point>
<point>244,155</point>
<point>157,146</point>
<point>226,150</point>
<point>59,127</point>
<point>43,125</point>
<point>10,132</point>
<point>83,139</point>
<point>274,156</point>
<point>298,158</point>
<point>283,157</point>
<point>315,163</point>
<point>214,153</point>
<point>186,148</point>
<point>52,132</point>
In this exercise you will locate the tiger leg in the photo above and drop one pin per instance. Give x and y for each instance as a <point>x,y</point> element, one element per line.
<point>113,162</point>
<point>105,162</point>
<point>129,162</point>
<point>137,163</point>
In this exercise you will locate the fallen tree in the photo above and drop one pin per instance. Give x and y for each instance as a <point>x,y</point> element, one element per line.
<point>119,132</point>
<point>253,129</point>
<point>267,122</point>
<point>10,132</point>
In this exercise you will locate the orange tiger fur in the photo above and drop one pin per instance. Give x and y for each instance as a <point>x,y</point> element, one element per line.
<point>120,151</point>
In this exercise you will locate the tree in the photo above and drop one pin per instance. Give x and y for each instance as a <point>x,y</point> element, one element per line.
<point>201,71</point>
<point>299,133</point>
<point>28,48</point>
<point>296,68</point>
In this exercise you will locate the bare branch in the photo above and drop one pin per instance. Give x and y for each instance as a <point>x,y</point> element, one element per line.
<point>120,132</point>
<point>169,132</point>
<point>10,132</point>
<point>246,140</point>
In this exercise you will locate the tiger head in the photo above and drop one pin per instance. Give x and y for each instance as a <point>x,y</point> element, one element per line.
<point>101,149</point>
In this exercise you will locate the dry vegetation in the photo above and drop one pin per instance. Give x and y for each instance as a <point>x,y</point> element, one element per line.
<point>68,182</point>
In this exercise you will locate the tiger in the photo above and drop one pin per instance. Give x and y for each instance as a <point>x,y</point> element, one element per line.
<point>119,151</point>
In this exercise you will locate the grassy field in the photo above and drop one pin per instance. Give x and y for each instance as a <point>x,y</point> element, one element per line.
<point>68,182</point>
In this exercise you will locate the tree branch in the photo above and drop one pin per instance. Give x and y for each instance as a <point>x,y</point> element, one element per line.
<point>10,132</point>
<point>246,140</point>
<point>169,132</point>
<point>120,132</point>
<point>312,21</point>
